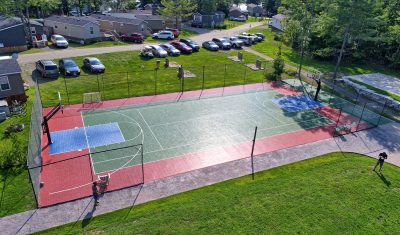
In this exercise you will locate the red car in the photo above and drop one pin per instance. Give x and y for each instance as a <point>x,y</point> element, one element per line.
<point>182,47</point>
<point>174,31</point>
<point>134,37</point>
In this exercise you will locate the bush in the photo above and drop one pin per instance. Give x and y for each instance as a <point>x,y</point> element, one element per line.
<point>221,26</point>
<point>271,77</point>
<point>14,155</point>
<point>279,66</point>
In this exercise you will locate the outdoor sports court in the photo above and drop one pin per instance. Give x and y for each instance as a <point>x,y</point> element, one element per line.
<point>175,133</point>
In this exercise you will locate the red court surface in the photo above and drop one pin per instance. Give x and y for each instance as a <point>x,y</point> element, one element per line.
<point>71,179</point>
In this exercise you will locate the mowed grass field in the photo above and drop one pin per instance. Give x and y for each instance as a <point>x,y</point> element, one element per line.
<point>270,48</point>
<point>128,75</point>
<point>333,194</point>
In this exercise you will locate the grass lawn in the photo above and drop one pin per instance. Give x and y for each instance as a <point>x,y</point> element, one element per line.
<point>333,194</point>
<point>270,48</point>
<point>16,192</point>
<point>128,75</point>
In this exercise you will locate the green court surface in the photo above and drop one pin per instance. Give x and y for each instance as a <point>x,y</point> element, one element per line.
<point>175,128</point>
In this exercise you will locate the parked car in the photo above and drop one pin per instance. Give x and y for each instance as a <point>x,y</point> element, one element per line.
<point>170,49</point>
<point>174,31</point>
<point>235,42</point>
<point>222,43</point>
<point>59,41</point>
<point>47,69</point>
<point>164,35</point>
<point>196,24</point>
<point>94,65</point>
<point>192,44</point>
<point>133,37</point>
<point>261,35</point>
<point>158,51</point>
<point>248,41</point>
<point>182,47</point>
<point>69,68</point>
<point>255,37</point>
<point>240,18</point>
<point>147,52</point>
<point>210,45</point>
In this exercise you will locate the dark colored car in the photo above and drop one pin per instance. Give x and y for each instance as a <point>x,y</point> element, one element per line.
<point>174,31</point>
<point>196,24</point>
<point>210,45</point>
<point>192,44</point>
<point>69,68</point>
<point>147,52</point>
<point>94,65</point>
<point>182,47</point>
<point>47,69</point>
<point>261,35</point>
<point>170,49</point>
<point>222,43</point>
<point>134,37</point>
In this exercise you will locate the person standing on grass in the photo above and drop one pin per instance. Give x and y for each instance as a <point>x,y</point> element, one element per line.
<point>96,193</point>
<point>382,157</point>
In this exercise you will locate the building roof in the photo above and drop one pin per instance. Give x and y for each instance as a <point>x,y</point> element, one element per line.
<point>149,17</point>
<point>211,13</point>
<point>235,9</point>
<point>72,20</point>
<point>6,22</point>
<point>279,16</point>
<point>8,65</point>
<point>124,20</point>
<point>252,5</point>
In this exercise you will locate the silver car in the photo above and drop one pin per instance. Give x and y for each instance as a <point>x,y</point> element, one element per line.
<point>170,49</point>
<point>158,51</point>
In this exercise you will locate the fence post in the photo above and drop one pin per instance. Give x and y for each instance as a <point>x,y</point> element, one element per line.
<point>102,82</point>
<point>66,89</point>
<point>155,81</point>
<point>127,81</point>
<point>204,68</point>
<point>225,75</point>
<point>98,84</point>
<point>252,152</point>
<point>141,145</point>
<point>361,116</point>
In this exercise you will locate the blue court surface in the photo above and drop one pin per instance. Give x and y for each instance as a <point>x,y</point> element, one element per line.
<point>297,103</point>
<point>85,137</point>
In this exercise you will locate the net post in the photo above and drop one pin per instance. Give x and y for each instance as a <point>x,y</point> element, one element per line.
<point>252,152</point>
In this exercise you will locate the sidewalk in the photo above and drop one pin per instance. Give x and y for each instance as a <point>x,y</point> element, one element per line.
<point>369,142</point>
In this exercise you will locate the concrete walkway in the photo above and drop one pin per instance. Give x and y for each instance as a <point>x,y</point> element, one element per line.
<point>369,142</point>
<point>73,52</point>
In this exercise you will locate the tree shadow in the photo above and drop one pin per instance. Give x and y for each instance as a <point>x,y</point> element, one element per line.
<point>383,178</point>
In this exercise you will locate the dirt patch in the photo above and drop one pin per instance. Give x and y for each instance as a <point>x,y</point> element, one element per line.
<point>188,74</point>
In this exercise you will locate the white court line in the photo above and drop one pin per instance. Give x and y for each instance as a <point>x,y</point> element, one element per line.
<point>87,142</point>
<point>150,129</point>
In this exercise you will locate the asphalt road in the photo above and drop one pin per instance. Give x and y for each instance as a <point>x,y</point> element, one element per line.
<point>73,52</point>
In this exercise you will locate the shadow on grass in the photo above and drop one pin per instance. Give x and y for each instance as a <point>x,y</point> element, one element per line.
<point>383,178</point>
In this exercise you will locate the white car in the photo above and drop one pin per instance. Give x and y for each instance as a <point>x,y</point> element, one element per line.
<point>59,41</point>
<point>164,35</point>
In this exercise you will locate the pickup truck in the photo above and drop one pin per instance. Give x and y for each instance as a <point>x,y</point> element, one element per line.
<point>134,37</point>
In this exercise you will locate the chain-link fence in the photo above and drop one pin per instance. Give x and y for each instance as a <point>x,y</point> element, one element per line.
<point>147,82</point>
<point>34,159</point>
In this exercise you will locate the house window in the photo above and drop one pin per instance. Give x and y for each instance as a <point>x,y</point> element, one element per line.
<point>197,18</point>
<point>91,30</point>
<point>65,27</point>
<point>4,84</point>
<point>55,26</point>
<point>33,30</point>
<point>142,28</point>
<point>1,45</point>
<point>122,24</point>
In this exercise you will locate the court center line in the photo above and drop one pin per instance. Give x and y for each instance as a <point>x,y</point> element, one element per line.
<point>87,142</point>
<point>162,148</point>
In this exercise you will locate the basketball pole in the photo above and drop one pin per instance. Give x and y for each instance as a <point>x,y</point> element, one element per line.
<point>252,152</point>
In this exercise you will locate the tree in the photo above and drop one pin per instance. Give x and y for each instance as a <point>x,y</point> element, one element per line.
<point>177,9</point>
<point>207,5</point>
